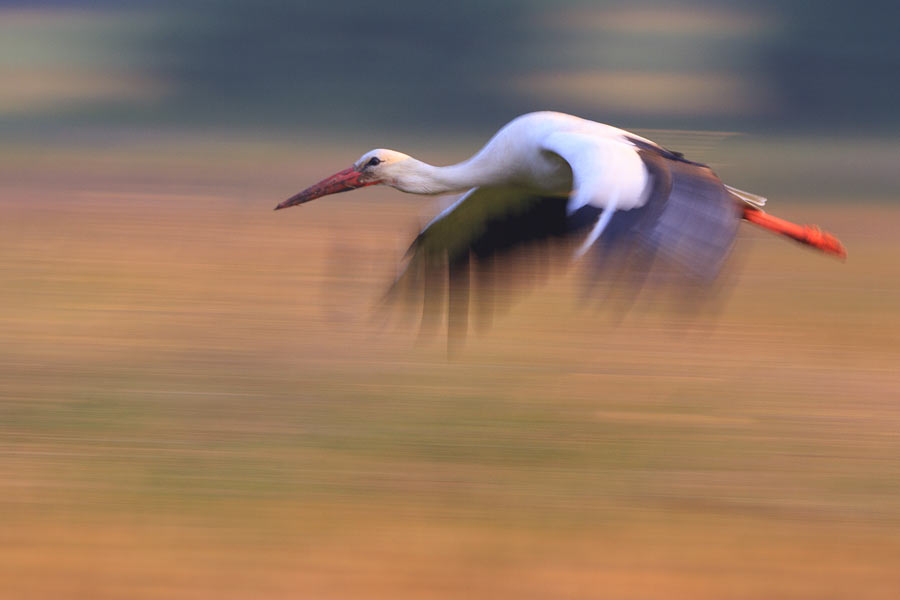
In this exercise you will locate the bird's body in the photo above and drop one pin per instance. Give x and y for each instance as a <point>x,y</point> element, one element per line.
<point>551,177</point>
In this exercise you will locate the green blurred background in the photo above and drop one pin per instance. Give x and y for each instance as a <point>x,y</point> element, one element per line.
<point>198,401</point>
<point>787,65</point>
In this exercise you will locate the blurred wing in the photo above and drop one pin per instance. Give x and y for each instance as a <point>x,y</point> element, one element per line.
<point>490,234</point>
<point>688,222</point>
<point>657,207</point>
<point>487,219</point>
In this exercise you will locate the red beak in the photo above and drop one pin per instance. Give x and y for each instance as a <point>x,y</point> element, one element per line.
<point>348,179</point>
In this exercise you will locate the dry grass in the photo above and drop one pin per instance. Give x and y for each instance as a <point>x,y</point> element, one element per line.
<point>195,403</point>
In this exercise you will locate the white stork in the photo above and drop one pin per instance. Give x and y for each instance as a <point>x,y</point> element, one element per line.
<point>549,176</point>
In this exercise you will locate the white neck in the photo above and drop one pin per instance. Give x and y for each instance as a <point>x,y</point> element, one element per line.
<point>417,177</point>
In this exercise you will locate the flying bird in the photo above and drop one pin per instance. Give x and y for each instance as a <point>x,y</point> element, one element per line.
<point>548,181</point>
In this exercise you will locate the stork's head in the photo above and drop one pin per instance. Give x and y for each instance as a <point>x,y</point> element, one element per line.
<point>376,166</point>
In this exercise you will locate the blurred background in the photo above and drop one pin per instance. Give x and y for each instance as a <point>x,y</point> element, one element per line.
<point>195,398</point>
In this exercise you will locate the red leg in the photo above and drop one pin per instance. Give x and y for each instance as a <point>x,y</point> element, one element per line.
<point>805,234</point>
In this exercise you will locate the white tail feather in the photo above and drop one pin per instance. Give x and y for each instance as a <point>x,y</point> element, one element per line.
<point>751,199</point>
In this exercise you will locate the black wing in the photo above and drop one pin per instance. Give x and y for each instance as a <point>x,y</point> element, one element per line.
<point>491,236</point>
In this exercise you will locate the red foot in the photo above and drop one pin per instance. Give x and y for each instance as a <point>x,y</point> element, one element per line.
<point>805,234</point>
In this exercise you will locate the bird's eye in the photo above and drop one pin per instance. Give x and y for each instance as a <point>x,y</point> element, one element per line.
<point>373,161</point>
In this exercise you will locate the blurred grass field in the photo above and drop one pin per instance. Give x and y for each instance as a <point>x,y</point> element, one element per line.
<point>195,402</point>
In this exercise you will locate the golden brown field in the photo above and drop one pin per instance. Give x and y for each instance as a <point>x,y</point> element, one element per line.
<point>196,402</point>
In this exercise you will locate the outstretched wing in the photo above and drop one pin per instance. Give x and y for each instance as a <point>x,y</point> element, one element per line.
<point>490,235</point>
<point>681,225</point>
<point>686,226</point>
<point>668,209</point>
